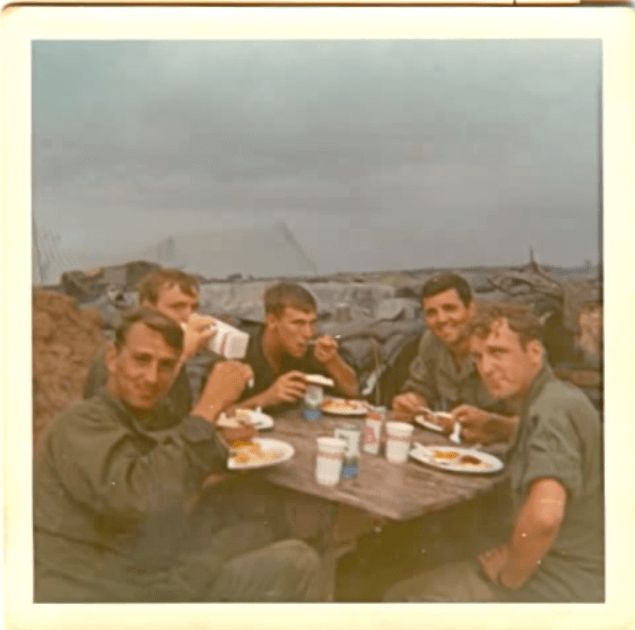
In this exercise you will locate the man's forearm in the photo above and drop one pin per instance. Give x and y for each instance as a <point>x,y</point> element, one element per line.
<point>344,377</point>
<point>535,529</point>
<point>258,400</point>
<point>207,411</point>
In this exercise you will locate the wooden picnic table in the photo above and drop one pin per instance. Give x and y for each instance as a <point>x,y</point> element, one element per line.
<point>391,491</point>
<point>381,492</point>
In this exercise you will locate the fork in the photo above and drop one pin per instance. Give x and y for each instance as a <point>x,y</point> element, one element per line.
<point>455,436</point>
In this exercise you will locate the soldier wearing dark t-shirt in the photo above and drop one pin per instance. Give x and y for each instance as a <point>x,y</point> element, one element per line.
<point>285,349</point>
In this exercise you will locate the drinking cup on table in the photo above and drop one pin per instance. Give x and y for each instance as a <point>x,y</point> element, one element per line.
<point>313,397</point>
<point>228,341</point>
<point>328,464</point>
<point>373,429</point>
<point>398,436</point>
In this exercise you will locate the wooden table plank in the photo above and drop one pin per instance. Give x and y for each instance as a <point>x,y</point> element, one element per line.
<point>393,491</point>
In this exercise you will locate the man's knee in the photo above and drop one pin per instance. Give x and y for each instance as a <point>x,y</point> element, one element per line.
<point>455,582</point>
<point>297,555</point>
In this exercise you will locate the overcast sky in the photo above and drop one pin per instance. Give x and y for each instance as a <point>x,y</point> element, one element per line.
<point>376,154</point>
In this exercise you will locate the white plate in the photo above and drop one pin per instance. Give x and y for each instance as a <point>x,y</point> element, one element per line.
<point>345,407</point>
<point>260,420</point>
<point>284,452</point>
<point>429,425</point>
<point>426,455</point>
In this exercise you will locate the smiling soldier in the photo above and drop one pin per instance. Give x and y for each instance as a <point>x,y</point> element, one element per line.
<point>173,293</point>
<point>280,352</point>
<point>556,549</point>
<point>112,512</point>
<point>443,375</point>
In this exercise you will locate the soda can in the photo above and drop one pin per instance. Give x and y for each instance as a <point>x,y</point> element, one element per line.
<point>372,431</point>
<point>351,434</point>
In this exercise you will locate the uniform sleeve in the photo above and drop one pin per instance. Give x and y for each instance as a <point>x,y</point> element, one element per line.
<point>554,452</point>
<point>124,476</point>
<point>421,378</point>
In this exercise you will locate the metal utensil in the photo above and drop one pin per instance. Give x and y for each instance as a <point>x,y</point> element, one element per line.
<point>312,342</point>
<point>455,436</point>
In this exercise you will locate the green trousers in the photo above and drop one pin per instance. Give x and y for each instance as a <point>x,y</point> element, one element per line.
<point>285,571</point>
<point>454,582</point>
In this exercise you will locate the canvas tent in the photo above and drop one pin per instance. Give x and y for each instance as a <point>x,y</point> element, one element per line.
<point>262,251</point>
<point>267,251</point>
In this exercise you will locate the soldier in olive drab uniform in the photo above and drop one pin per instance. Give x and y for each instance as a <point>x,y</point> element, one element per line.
<point>443,376</point>
<point>556,549</point>
<point>113,518</point>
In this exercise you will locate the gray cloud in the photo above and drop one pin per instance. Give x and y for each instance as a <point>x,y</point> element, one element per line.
<point>376,147</point>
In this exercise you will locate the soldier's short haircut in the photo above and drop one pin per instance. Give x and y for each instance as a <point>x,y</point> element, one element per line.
<point>519,319</point>
<point>171,332</point>
<point>283,294</point>
<point>443,282</point>
<point>151,285</point>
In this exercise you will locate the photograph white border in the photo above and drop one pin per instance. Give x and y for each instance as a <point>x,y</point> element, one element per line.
<point>614,26</point>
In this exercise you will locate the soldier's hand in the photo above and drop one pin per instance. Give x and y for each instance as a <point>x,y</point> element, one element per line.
<point>197,333</point>
<point>287,388</point>
<point>243,433</point>
<point>407,405</point>
<point>225,384</point>
<point>493,560</point>
<point>325,349</point>
<point>477,424</point>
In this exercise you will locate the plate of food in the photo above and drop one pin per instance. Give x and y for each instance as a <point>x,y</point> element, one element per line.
<point>255,417</point>
<point>344,407</point>
<point>258,453</point>
<point>432,420</point>
<point>457,459</point>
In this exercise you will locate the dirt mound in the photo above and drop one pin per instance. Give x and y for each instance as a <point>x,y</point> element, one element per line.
<point>65,341</point>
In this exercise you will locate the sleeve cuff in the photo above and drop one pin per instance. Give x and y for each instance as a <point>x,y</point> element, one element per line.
<point>548,468</point>
<point>196,429</point>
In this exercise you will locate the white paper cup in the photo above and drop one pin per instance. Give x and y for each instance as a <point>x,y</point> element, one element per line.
<point>228,341</point>
<point>328,463</point>
<point>398,436</point>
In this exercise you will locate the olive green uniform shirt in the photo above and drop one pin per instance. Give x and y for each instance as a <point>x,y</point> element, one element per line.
<point>433,374</point>
<point>109,514</point>
<point>559,437</point>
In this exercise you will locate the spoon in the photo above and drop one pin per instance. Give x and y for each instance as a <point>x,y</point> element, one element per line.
<point>312,342</point>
